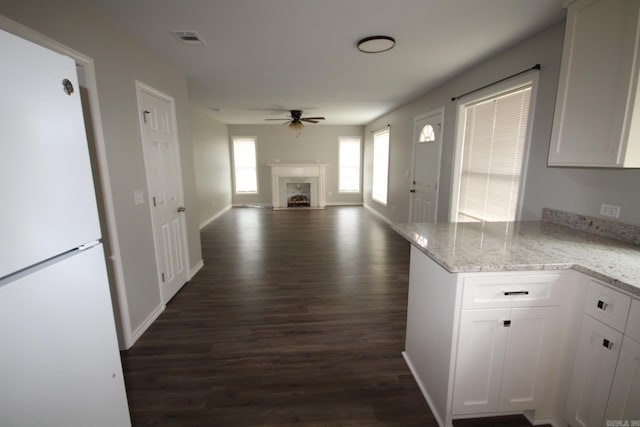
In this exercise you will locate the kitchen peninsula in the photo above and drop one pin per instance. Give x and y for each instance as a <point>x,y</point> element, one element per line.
<point>528,317</point>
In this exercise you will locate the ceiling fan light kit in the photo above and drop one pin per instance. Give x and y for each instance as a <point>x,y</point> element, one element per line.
<point>376,44</point>
<point>296,125</point>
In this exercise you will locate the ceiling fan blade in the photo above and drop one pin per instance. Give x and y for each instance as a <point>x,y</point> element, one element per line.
<point>313,118</point>
<point>309,120</point>
<point>278,119</point>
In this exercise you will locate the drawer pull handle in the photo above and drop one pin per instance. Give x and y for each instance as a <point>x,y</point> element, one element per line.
<point>602,305</point>
<point>506,323</point>
<point>608,344</point>
<point>507,293</point>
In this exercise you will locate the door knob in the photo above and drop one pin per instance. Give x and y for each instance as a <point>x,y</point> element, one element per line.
<point>181,209</point>
<point>412,191</point>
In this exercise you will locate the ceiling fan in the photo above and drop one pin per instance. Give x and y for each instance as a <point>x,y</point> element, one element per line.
<point>295,122</point>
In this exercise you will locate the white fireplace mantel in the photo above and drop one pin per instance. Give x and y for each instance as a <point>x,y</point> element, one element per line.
<point>302,171</point>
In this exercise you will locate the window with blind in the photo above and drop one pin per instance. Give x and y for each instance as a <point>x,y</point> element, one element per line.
<point>380,183</point>
<point>349,161</point>
<point>244,165</point>
<point>491,152</point>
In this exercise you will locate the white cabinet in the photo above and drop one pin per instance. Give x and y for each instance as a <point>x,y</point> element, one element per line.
<point>504,358</point>
<point>605,383</point>
<point>507,341</point>
<point>482,342</point>
<point>624,401</point>
<point>593,370</point>
<point>597,115</point>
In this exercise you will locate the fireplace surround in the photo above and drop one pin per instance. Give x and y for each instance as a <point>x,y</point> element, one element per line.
<point>286,179</point>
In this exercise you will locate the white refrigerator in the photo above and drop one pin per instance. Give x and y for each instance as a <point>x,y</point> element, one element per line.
<point>59,358</point>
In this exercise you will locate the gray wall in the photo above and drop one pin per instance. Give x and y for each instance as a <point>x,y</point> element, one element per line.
<point>120,59</point>
<point>569,189</point>
<point>211,164</point>
<point>315,144</point>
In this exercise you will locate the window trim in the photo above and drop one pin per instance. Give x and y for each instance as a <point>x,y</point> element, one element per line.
<point>527,79</point>
<point>376,133</point>
<point>233,163</point>
<point>359,190</point>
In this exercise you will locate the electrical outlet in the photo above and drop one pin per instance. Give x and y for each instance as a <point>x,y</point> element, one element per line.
<point>610,211</point>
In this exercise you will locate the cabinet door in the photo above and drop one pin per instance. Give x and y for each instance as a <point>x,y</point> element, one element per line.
<point>593,370</point>
<point>481,345</point>
<point>529,357</point>
<point>595,91</point>
<point>624,401</point>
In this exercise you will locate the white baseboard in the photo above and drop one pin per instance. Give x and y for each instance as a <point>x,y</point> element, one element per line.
<point>211,219</point>
<point>135,335</point>
<point>253,205</point>
<point>344,204</point>
<point>195,269</point>
<point>436,415</point>
<point>378,214</point>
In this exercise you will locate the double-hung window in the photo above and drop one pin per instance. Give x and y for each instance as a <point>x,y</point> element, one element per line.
<point>492,140</point>
<point>380,183</point>
<point>349,170</point>
<point>244,165</point>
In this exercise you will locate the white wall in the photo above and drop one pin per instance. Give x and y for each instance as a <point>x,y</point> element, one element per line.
<point>211,164</point>
<point>120,60</point>
<point>569,189</point>
<point>315,144</point>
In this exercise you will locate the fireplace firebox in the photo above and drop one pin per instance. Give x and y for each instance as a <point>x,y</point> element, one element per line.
<point>298,194</point>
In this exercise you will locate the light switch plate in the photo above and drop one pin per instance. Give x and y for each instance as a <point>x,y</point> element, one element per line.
<point>138,197</point>
<point>610,211</point>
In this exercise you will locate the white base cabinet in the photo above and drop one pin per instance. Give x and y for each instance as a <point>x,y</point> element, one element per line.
<point>560,347</point>
<point>504,359</point>
<point>605,383</point>
<point>624,401</point>
<point>594,367</point>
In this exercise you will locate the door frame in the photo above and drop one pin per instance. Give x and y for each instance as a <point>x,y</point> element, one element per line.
<point>85,65</point>
<point>140,88</point>
<point>416,119</point>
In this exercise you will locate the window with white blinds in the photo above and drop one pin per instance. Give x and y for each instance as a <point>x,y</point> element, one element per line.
<point>380,184</point>
<point>244,165</point>
<point>493,145</point>
<point>349,170</point>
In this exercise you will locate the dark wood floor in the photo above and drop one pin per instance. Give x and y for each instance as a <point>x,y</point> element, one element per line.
<point>297,318</point>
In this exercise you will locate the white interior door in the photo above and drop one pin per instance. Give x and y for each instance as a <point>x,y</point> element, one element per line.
<point>164,184</point>
<point>425,170</point>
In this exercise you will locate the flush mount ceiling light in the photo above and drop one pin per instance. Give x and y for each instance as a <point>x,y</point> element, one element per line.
<point>376,44</point>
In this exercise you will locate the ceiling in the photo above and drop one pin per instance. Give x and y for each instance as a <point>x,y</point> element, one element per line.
<point>264,57</point>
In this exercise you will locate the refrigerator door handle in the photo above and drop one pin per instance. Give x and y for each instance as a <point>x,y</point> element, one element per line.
<point>89,245</point>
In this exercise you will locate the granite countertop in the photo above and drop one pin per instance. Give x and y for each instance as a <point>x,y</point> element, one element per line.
<point>526,245</point>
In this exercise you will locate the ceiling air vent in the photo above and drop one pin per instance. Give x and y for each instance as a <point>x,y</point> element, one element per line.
<point>189,37</point>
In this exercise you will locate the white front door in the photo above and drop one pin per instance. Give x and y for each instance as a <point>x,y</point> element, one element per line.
<point>425,171</point>
<point>162,164</point>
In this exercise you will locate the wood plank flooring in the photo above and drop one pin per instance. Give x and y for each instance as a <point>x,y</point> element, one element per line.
<point>297,318</point>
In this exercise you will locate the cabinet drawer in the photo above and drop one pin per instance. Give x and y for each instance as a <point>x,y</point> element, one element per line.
<point>633,324</point>
<point>511,290</point>
<point>608,306</point>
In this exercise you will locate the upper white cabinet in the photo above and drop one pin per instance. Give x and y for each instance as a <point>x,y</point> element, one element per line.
<point>597,115</point>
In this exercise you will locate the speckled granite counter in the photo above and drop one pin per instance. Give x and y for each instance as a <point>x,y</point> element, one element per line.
<point>526,245</point>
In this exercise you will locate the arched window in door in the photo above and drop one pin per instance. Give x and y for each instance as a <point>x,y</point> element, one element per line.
<point>427,134</point>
